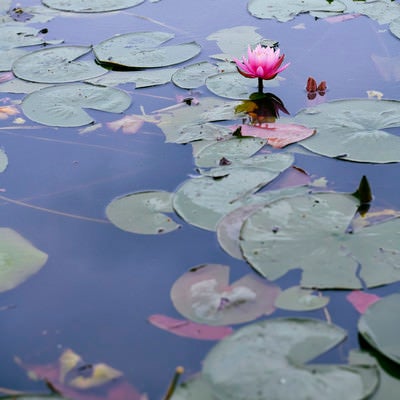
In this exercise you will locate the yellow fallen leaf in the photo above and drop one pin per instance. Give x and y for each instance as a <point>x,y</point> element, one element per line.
<point>68,361</point>
<point>102,374</point>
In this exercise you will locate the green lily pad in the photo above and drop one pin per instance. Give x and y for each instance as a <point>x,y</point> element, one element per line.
<point>234,42</point>
<point>228,228</point>
<point>63,105</point>
<point>296,298</point>
<point>14,35</point>
<point>194,75</point>
<point>395,27</point>
<point>312,233</point>
<point>140,78</point>
<point>143,213</point>
<point>172,121</point>
<point>56,65</point>
<point>8,57</point>
<point>232,85</point>
<point>90,6</point>
<point>203,201</point>
<point>20,86</point>
<point>204,295</point>
<point>380,326</point>
<point>206,131</point>
<point>273,366</point>
<point>19,259</point>
<point>354,130</point>
<point>285,11</point>
<point>142,50</point>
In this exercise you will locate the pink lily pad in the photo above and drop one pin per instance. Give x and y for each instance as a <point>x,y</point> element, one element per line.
<point>203,295</point>
<point>189,329</point>
<point>361,300</point>
<point>278,135</point>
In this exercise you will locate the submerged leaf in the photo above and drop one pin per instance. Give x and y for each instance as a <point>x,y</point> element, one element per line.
<point>63,105</point>
<point>189,329</point>
<point>203,295</point>
<point>143,213</point>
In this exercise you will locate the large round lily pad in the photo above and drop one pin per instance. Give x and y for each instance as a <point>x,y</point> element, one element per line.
<point>203,295</point>
<point>194,75</point>
<point>143,213</point>
<point>56,65</point>
<point>314,233</point>
<point>380,326</point>
<point>63,105</point>
<point>286,10</point>
<point>354,130</point>
<point>142,50</point>
<point>89,6</point>
<point>203,201</point>
<point>266,360</point>
<point>19,259</point>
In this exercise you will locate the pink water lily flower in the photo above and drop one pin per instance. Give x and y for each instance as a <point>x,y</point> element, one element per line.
<point>262,62</point>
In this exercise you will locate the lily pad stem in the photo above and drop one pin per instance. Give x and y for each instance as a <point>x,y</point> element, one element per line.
<point>172,386</point>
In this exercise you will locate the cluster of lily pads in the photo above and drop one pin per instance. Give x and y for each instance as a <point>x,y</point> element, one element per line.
<point>331,240</point>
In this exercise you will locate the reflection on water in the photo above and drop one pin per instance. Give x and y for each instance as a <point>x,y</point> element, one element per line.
<point>100,284</point>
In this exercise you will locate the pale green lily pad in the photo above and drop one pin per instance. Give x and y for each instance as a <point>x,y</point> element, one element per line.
<point>194,75</point>
<point>56,65</point>
<point>228,228</point>
<point>63,105</point>
<point>285,11</point>
<point>395,27</point>
<point>141,79</point>
<point>354,130</point>
<point>315,228</point>
<point>232,85</point>
<point>296,298</point>
<point>380,326</point>
<point>20,86</point>
<point>90,6</point>
<point>273,366</point>
<point>19,259</point>
<point>172,119</point>
<point>229,150</point>
<point>17,35</point>
<point>143,212</point>
<point>8,57</point>
<point>142,50</point>
<point>203,201</point>
<point>206,131</point>
<point>234,42</point>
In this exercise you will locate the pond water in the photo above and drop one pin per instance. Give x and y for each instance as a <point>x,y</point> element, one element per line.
<point>100,284</point>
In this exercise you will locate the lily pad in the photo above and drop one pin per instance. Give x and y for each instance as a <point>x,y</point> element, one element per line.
<point>13,35</point>
<point>354,130</point>
<point>315,228</point>
<point>205,200</point>
<point>203,295</point>
<point>8,57</point>
<point>194,75</point>
<point>63,105</point>
<point>380,326</point>
<point>228,228</point>
<point>90,6</point>
<point>142,50</point>
<point>19,259</point>
<point>143,213</point>
<point>273,366</point>
<point>296,298</point>
<point>56,65</point>
<point>232,85</point>
<point>395,27</point>
<point>3,160</point>
<point>285,11</point>
<point>207,131</point>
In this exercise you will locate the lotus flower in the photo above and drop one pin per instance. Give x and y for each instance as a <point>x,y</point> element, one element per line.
<point>262,62</point>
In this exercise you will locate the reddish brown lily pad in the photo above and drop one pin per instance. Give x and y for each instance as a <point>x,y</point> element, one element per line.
<point>189,329</point>
<point>278,134</point>
<point>203,295</point>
